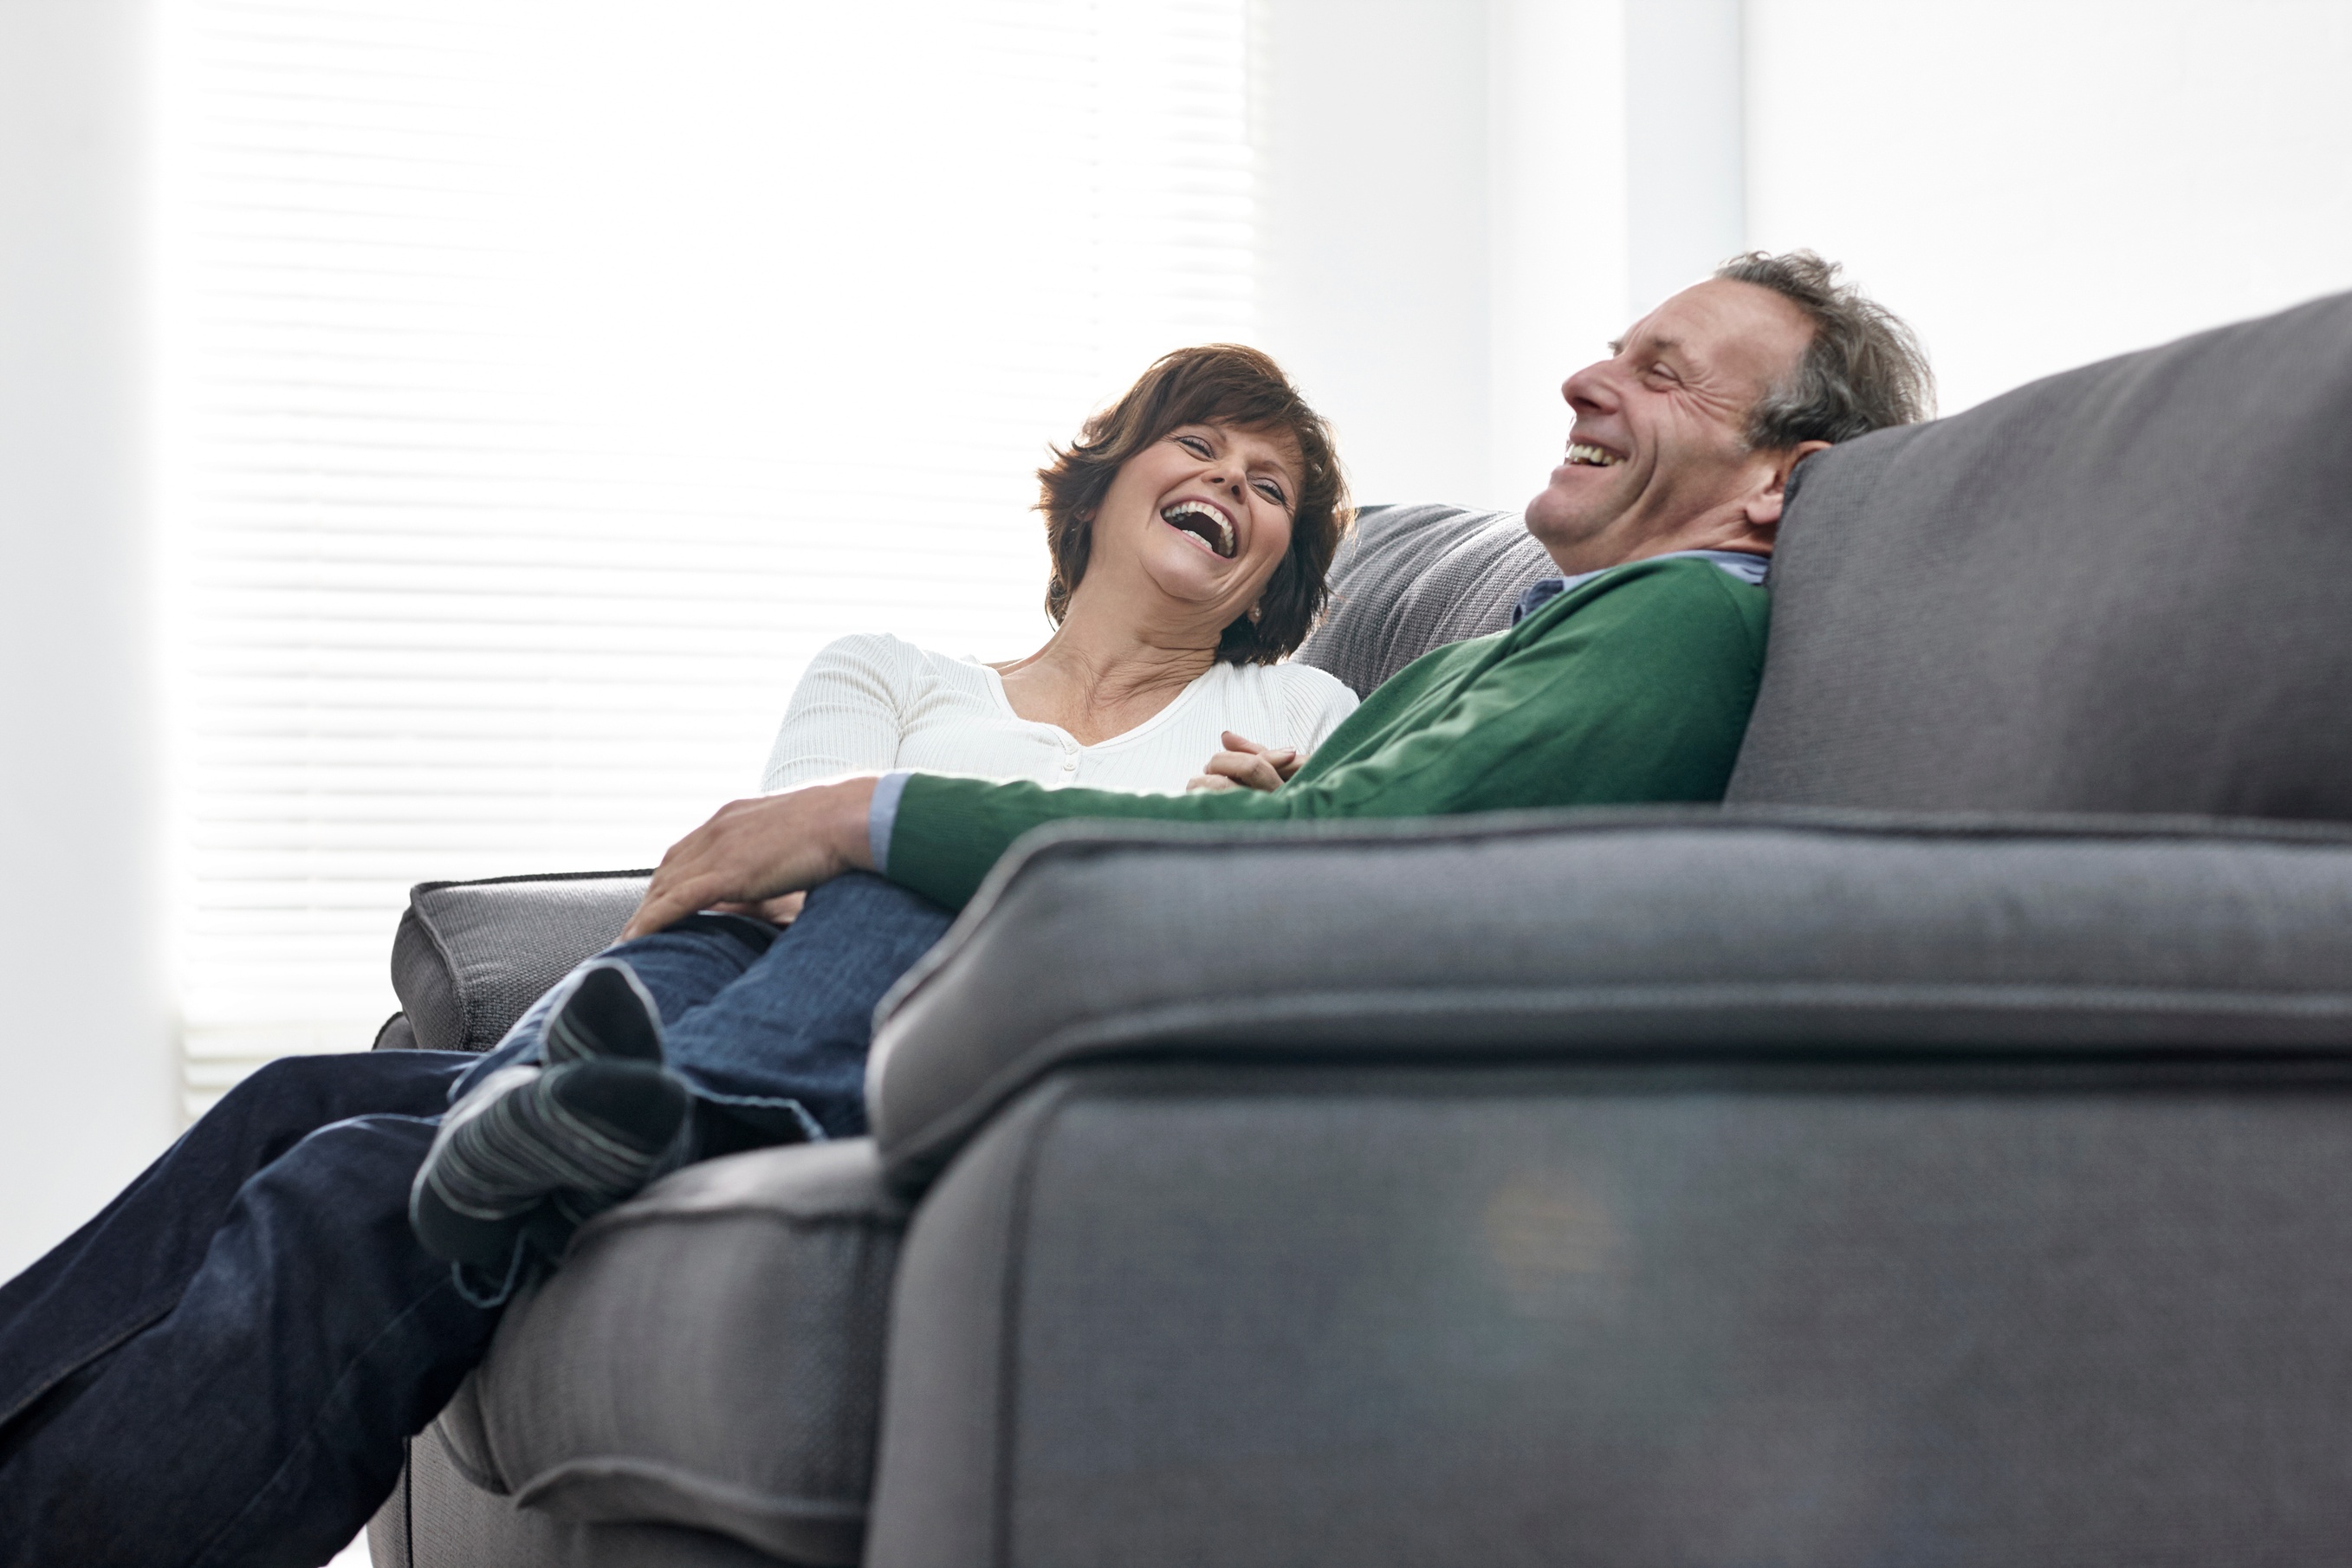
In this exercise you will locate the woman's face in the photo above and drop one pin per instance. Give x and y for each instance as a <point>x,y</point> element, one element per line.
<point>1203,514</point>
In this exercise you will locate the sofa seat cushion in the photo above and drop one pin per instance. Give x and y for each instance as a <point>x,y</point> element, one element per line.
<point>708,1355</point>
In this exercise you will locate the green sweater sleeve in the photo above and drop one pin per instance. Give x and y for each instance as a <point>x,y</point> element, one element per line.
<point>1634,686</point>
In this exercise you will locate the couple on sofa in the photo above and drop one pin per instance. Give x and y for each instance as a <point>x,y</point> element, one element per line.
<point>220,1368</point>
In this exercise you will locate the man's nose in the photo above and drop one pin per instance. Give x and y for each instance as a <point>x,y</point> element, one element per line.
<point>1591,388</point>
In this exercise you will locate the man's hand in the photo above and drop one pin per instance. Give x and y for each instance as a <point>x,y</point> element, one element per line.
<point>756,850</point>
<point>780,910</point>
<point>1246,763</point>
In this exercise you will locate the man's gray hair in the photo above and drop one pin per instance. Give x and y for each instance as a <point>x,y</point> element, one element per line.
<point>1863,371</point>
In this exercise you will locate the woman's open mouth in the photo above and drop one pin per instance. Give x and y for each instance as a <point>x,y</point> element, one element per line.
<point>1205,522</point>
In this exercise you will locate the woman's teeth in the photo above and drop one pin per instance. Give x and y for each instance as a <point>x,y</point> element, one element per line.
<point>1203,522</point>
<point>1578,452</point>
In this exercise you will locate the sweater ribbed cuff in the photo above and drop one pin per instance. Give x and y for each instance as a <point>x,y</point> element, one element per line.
<point>882,817</point>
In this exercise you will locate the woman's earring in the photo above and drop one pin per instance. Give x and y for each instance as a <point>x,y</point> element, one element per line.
<point>1255,612</point>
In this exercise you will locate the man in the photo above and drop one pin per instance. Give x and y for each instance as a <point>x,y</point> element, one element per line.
<point>220,1367</point>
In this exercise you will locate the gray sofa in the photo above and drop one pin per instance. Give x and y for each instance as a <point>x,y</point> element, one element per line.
<point>1941,1153</point>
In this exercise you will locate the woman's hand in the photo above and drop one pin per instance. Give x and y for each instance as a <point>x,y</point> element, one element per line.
<point>1245,764</point>
<point>753,851</point>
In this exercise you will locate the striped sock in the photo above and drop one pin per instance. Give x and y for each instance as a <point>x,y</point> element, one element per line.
<point>588,1131</point>
<point>604,1012</point>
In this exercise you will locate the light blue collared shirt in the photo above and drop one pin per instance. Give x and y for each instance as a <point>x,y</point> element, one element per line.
<point>882,817</point>
<point>1748,567</point>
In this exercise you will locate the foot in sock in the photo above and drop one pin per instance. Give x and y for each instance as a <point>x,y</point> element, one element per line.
<point>584,1135</point>
<point>603,1012</point>
<point>535,1151</point>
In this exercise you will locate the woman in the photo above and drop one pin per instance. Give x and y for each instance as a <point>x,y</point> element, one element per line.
<point>1190,525</point>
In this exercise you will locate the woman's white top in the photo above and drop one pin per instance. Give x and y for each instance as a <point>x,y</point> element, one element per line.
<point>874,702</point>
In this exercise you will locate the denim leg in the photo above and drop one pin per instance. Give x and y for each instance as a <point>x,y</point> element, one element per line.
<point>792,1033</point>
<point>260,1421</point>
<point>126,1268</point>
<point>773,1028</point>
<point>683,967</point>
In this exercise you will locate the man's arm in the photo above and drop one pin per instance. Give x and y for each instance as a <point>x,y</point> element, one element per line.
<point>1639,692</point>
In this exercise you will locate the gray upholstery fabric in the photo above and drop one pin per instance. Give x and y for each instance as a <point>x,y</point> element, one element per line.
<point>1412,578</point>
<point>470,956</point>
<point>1892,1312</point>
<point>437,1519</point>
<point>949,1402</point>
<point>2126,588</point>
<point>1613,930</point>
<point>709,1355</point>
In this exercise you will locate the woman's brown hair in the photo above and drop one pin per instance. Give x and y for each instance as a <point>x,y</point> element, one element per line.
<point>1223,383</point>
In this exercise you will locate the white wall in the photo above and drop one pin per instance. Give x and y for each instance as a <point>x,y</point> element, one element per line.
<point>86,1066</point>
<point>1559,210</point>
<point>1443,217</point>
<point>1372,132</point>
<point>1685,143</point>
<point>2038,184</point>
<point>1465,201</point>
<point>1466,198</point>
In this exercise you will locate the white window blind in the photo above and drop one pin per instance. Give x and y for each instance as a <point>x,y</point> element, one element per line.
<point>545,383</point>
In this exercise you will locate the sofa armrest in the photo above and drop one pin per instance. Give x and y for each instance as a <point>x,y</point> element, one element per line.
<point>470,957</point>
<point>1617,932</point>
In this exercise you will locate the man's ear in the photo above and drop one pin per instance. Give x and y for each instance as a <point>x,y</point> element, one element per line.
<point>1763,508</point>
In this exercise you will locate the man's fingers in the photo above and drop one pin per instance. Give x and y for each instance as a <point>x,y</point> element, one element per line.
<point>780,910</point>
<point>673,896</point>
<point>659,910</point>
<point>1210,782</point>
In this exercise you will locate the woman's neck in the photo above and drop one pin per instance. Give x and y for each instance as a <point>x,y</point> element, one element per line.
<point>1102,674</point>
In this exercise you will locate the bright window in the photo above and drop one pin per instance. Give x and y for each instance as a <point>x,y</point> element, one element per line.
<point>545,383</point>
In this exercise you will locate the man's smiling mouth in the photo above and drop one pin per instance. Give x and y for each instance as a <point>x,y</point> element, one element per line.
<point>1581,455</point>
<point>1205,522</point>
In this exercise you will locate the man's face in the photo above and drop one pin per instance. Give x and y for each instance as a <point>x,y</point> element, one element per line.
<point>1657,458</point>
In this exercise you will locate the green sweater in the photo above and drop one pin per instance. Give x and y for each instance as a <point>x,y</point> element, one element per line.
<point>1632,687</point>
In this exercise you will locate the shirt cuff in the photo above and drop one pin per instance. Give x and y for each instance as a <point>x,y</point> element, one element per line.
<point>882,816</point>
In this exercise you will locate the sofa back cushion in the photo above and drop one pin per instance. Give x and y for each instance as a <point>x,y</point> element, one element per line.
<point>1412,578</point>
<point>2124,588</point>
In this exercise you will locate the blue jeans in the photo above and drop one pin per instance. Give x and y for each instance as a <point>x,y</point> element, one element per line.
<point>222,1367</point>
<point>773,1029</point>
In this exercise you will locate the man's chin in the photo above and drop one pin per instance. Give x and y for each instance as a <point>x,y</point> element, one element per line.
<point>1557,521</point>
